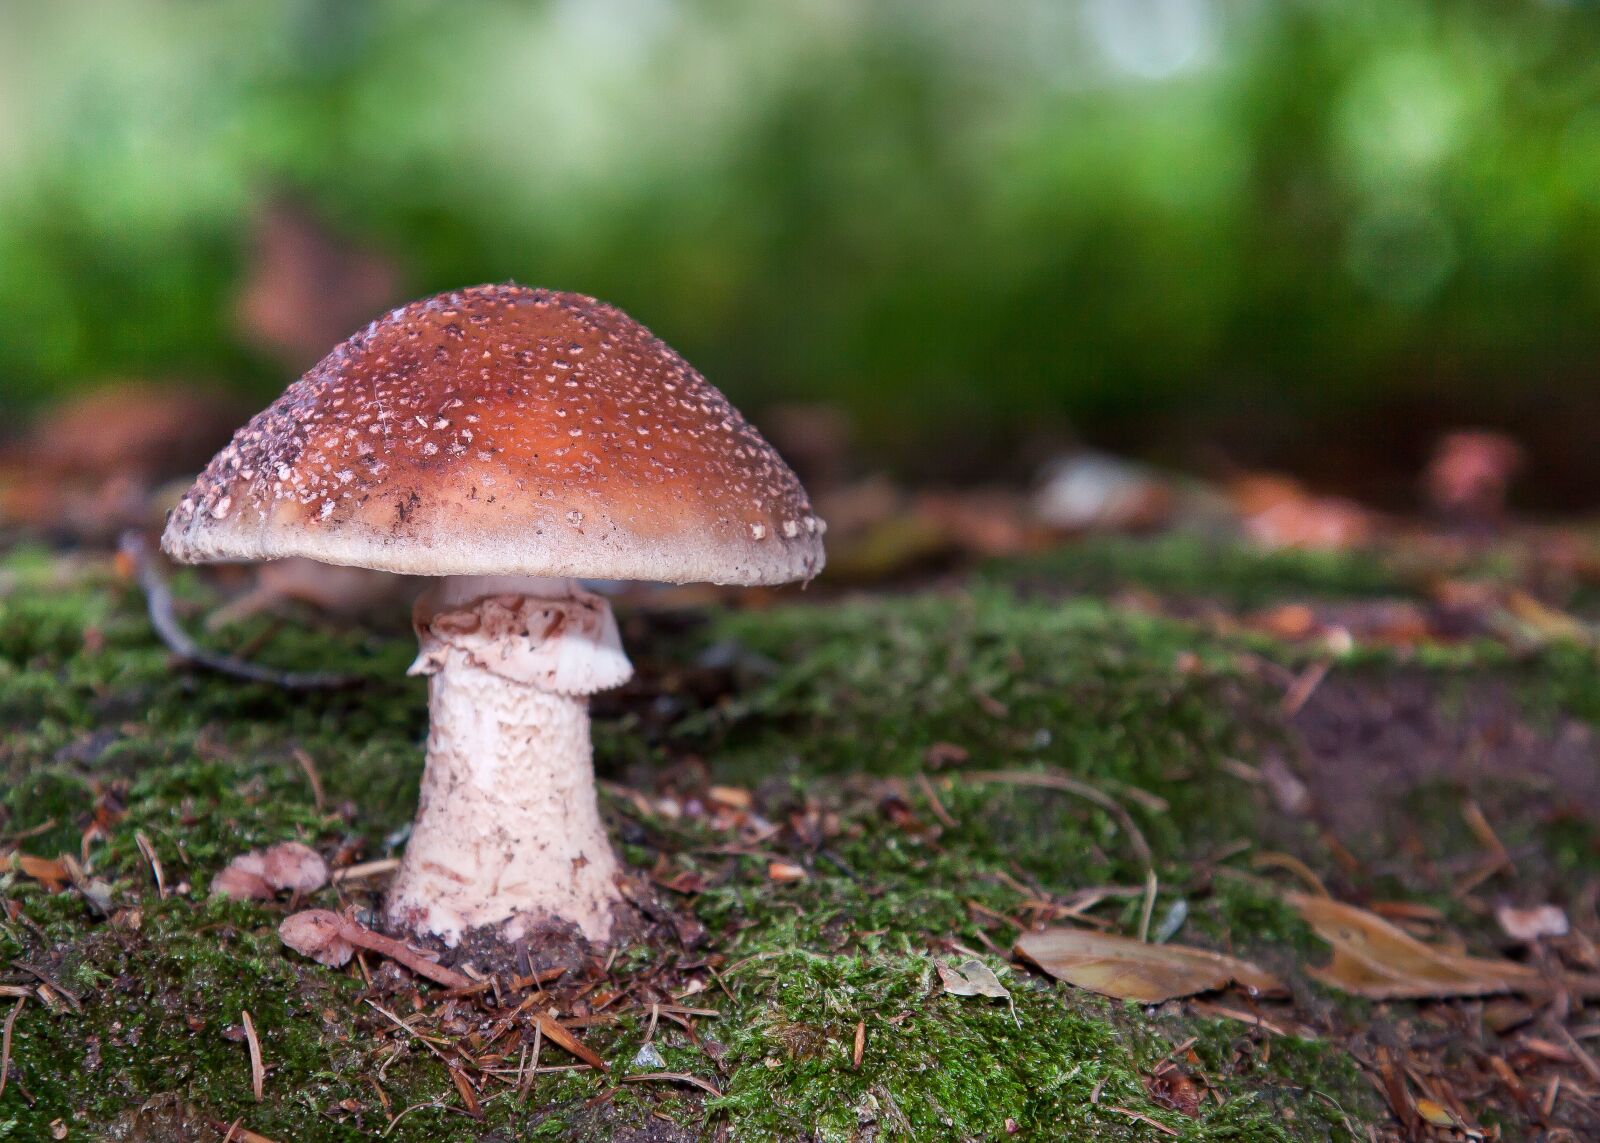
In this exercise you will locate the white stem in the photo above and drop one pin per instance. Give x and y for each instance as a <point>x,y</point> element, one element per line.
<point>508,831</point>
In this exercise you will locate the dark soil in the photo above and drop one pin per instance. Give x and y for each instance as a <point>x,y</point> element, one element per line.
<point>1383,756</point>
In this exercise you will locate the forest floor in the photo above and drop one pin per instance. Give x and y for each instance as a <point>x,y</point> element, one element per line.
<point>830,795</point>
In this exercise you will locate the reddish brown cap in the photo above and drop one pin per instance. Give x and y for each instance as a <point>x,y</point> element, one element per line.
<point>502,430</point>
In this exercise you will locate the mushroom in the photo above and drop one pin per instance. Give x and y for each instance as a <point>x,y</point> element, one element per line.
<point>508,441</point>
<point>331,939</point>
<point>261,873</point>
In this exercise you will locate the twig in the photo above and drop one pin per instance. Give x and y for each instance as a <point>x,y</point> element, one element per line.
<point>310,769</point>
<point>1275,860</point>
<point>435,1104</point>
<point>1578,1050</point>
<point>71,997</point>
<point>751,959</point>
<point>1302,688</point>
<point>1050,780</point>
<point>365,870</point>
<point>675,1077</point>
<point>1498,858</point>
<point>149,851</point>
<point>527,1084</point>
<point>158,601</point>
<point>1142,1118</point>
<point>1151,885</point>
<point>1253,1019</point>
<point>562,1038</point>
<point>5,1041</point>
<point>934,803</point>
<point>408,1030</point>
<point>238,1133</point>
<point>33,831</point>
<point>258,1070</point>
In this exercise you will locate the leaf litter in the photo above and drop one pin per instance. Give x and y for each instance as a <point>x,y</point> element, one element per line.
<point>974,978</point>
<point>1380,961</point>
<point>1127,969</point>
<point>963,980</point>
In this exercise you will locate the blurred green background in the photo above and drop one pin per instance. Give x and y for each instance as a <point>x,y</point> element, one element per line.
<point>1301,233</point>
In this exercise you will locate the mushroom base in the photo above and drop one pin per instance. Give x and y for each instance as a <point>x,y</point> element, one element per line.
<point>508,829</point>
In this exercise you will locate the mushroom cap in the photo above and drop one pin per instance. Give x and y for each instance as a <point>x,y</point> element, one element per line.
<point>502,430</point>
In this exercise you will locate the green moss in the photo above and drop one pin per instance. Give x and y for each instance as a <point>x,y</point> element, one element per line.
<point>1299,1088</point>
<point>831,709</point>
<point>934,1066</point>
<point>1194,566</point>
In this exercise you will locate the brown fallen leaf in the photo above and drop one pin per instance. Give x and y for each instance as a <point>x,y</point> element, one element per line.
<point>51,872</point>
<point>562,1038</point>
<point>785,871</point>
<point>1375,959</point>
<point>1436,1114</point>
<point>1546,623</point>
<point>972,978</point>
<point>1127,969</point>
<point>734,797</point>
<point>1278,512</point>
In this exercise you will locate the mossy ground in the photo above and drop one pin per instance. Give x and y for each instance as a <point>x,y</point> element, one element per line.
<point>840,715</point>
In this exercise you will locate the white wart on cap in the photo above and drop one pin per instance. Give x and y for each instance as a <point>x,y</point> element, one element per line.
<point>502,430</point>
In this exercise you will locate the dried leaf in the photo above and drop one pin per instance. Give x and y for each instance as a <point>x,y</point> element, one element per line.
<point>1545,622</point>
<point>562,1038</point>
<point>469,1097</point>
<point>1435,1114</point>
<point>1279,513</point>
<point>734,797</point>
<point>1373,958</point>
<point>973,978</point>
<point>51,872</point>
<point>1127,969</point>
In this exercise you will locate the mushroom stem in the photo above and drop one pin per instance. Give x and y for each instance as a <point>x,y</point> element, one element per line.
<point>508,830</point>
